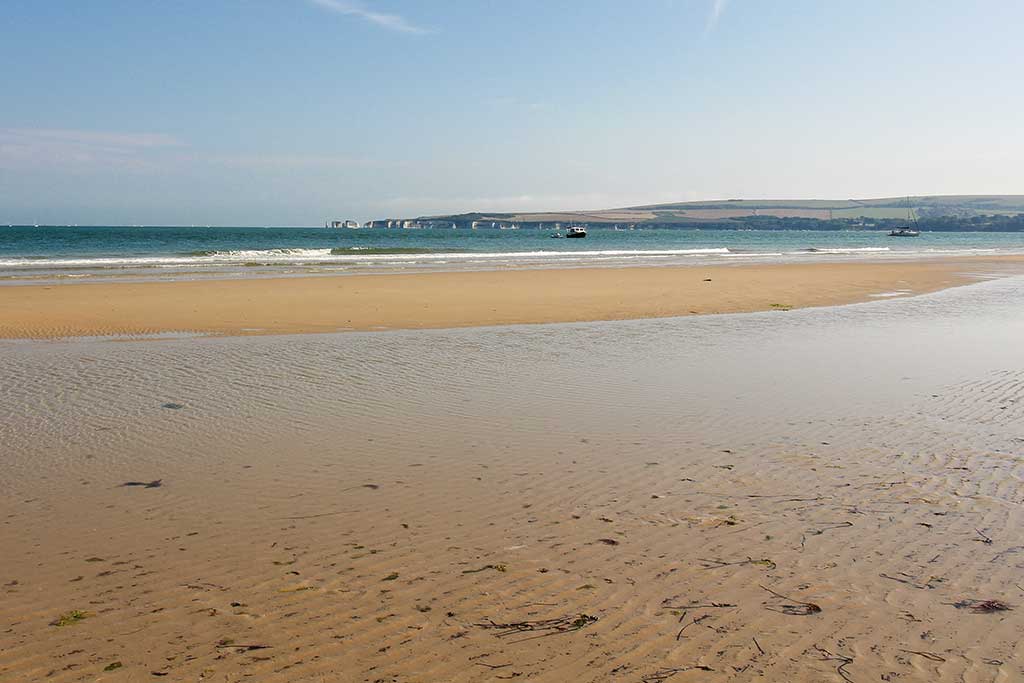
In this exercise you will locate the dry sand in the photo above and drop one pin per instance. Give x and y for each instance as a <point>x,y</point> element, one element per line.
<point>464,299</point>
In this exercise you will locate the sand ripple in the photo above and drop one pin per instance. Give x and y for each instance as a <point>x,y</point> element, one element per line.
<point>360,508</point>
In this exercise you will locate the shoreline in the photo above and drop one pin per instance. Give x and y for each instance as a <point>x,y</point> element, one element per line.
<point>440,300</point>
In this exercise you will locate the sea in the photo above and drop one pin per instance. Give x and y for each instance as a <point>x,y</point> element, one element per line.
<point>30,254</point>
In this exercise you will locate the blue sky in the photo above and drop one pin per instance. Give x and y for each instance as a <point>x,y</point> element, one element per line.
<point>286,112</point>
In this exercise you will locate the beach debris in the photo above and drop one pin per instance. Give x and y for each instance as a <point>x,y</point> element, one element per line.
<point>718,564</point>
<point>981,606</point>
<point>665,674</point>
<point>173,406</point>
<point>495,567</point>
<point>543,627</point>
<point>792,606</point>
<point>372,487</point>
<point>491,666</point>
<point>788,498</point>
<point>204,586</point>
<point>819,532</point>
<point>707,279</point>
<point>229,643</point>
<point>1008,551</point>
<point>696,620</point>
<point>113,666</point>
<point>608,541</point>
<point>70,618</point>
<point>782,307</point>
<point>910,581</point>
<point>390,577</point>
<point>322,514</point>
<point>927,655</point>
<point>297,589</point>
<point>984,539</point>
<point>843,659</point>
<point>698,605</point>
<point>155,484</point>
<point>758,645</point>
<point>882,485</point>
<point>731,520</point>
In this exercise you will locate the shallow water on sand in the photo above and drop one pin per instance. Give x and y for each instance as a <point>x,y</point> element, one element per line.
<point>863,452</point>
<point>649,377</point>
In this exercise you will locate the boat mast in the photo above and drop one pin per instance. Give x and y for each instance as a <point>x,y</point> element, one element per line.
<point>910,214</point>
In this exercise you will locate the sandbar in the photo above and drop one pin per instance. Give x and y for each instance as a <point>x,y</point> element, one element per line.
<point>291,305</point>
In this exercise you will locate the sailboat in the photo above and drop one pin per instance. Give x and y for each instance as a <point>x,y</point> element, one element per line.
<point>906,230</point>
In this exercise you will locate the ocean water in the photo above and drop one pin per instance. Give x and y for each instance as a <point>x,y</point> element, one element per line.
<point>72,252</point>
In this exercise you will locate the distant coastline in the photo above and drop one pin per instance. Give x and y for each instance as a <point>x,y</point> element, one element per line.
<point>976,223</point>
<point>937,213</point>
<point>934,213</point>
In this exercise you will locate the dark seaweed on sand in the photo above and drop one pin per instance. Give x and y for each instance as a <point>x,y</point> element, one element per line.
<point>982,606</point>
<point>155,484</point>
<point>543,627</point>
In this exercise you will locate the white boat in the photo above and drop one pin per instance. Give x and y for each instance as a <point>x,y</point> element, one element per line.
<point>575,231</point>
<point>906,230</point>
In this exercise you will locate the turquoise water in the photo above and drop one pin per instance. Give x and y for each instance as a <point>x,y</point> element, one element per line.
<point>31,253</point>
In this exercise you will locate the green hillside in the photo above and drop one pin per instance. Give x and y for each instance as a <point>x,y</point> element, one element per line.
<point>943,212</point>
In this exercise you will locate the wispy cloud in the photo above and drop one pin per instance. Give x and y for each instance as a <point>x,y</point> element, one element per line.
<point>276,162</point>
<point>89,151</point>
<point>392,22</point>
<point>714,14</point>
<point>21,147</point>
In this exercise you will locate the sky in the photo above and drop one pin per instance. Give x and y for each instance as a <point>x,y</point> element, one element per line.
<point>290,112</point>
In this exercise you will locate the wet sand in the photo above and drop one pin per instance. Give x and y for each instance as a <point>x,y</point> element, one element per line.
<point>461,299</point>
<point>802,496</point>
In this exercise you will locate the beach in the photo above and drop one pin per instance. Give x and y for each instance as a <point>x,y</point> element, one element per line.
<point>381,341</point>
<point>830,493</point>
<point>463,299</point>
